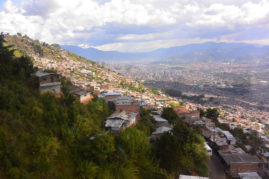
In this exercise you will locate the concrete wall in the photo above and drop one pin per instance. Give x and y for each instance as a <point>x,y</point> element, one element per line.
<point>54,89</point>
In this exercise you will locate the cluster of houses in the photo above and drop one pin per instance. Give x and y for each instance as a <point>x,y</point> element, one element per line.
<point>126,109</point>
<point>98,80</point>
<point>52,82</point>
<point>236,161</point>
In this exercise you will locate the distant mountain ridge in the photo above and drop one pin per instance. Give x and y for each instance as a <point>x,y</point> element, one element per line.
<point>209,51</point>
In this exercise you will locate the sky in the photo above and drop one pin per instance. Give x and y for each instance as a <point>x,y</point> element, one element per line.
<point>137,25</point>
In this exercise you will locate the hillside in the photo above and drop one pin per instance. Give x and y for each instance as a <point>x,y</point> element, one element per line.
<point>27,46</point>
<point>79,70</point>
<point>205,52</point>
<point>43,136</point>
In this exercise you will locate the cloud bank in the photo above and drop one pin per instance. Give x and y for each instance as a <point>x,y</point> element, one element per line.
<point>137,25</point>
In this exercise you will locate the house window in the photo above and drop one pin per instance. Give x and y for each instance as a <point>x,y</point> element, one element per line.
<point>51,79</point>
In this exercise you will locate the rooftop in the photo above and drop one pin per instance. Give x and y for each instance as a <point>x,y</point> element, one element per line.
<point>232,150</point>
<point>111,94</point>
<point>114,123</point>
<point>161,130</point>
<point>191,177</point>
<point>117,119</point>
<point>124,100</point>
<point>40,74</point>
<point>239,158</point>
<point>159,118</point>
<point>250,175</point>
<point>77,90</point>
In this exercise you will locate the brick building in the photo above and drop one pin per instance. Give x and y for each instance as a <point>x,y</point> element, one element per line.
<point>82,94</point>
<point>125,103</point>
<point>240,163</point>
<point>48,82</point>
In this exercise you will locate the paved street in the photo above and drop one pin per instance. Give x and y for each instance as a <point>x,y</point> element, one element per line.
<point>216,170</point>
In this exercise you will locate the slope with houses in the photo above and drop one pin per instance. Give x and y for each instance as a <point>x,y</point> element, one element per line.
<point>126,96</point>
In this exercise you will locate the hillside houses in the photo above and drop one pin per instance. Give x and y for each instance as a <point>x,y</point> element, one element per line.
<point>89,77</point>
<point>109,96</point>
<point>183,112</point>
<point>48,82</point>
<point>125,103</point>
<point>121,120</point>
<point>240,163</point>
<point>82,94</point>
<point>161,122</point>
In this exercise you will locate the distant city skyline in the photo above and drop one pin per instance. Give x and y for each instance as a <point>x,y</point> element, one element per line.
<point>137,26</point>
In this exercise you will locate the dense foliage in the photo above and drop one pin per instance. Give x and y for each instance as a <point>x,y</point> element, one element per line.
<point>44,136</point>
<point>146,122</point>
<point>183,149</point>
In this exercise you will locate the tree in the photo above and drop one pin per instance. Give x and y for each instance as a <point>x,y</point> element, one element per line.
<point>202,112</point>
<point>97,148</point>
<point>212,113</point>
<point>170,115</point>
<point>168,151</point>
<point>146,122</point>
<point>135,143</point>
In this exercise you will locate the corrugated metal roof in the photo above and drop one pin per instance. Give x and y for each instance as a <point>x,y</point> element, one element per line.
<point>161,130</point>
<point>111,94</point>
<point>40,74</point>
<point>250,175</point>
<point>191,177</point>
<point>159,118</point>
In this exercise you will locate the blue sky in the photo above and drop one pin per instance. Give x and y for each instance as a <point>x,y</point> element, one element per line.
<point>16,2</point>
<point>137,25</point>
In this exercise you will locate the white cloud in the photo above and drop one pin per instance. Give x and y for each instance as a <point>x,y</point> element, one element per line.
<point>145,37</point>
<point>71,22</point>
<point>256,11</point>
<point>10,8</point>
<point>84,45</point>
<point>150,45</point>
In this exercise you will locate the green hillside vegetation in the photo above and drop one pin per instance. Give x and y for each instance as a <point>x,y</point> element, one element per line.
<point>182,150</point>
<point>24,45</point>
<point>42,136</point>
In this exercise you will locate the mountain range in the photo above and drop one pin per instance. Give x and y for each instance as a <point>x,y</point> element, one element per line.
<point>204,52</point>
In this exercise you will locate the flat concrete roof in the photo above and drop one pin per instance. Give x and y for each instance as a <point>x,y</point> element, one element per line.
<point>239,158</point>
<point>40,74</point>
